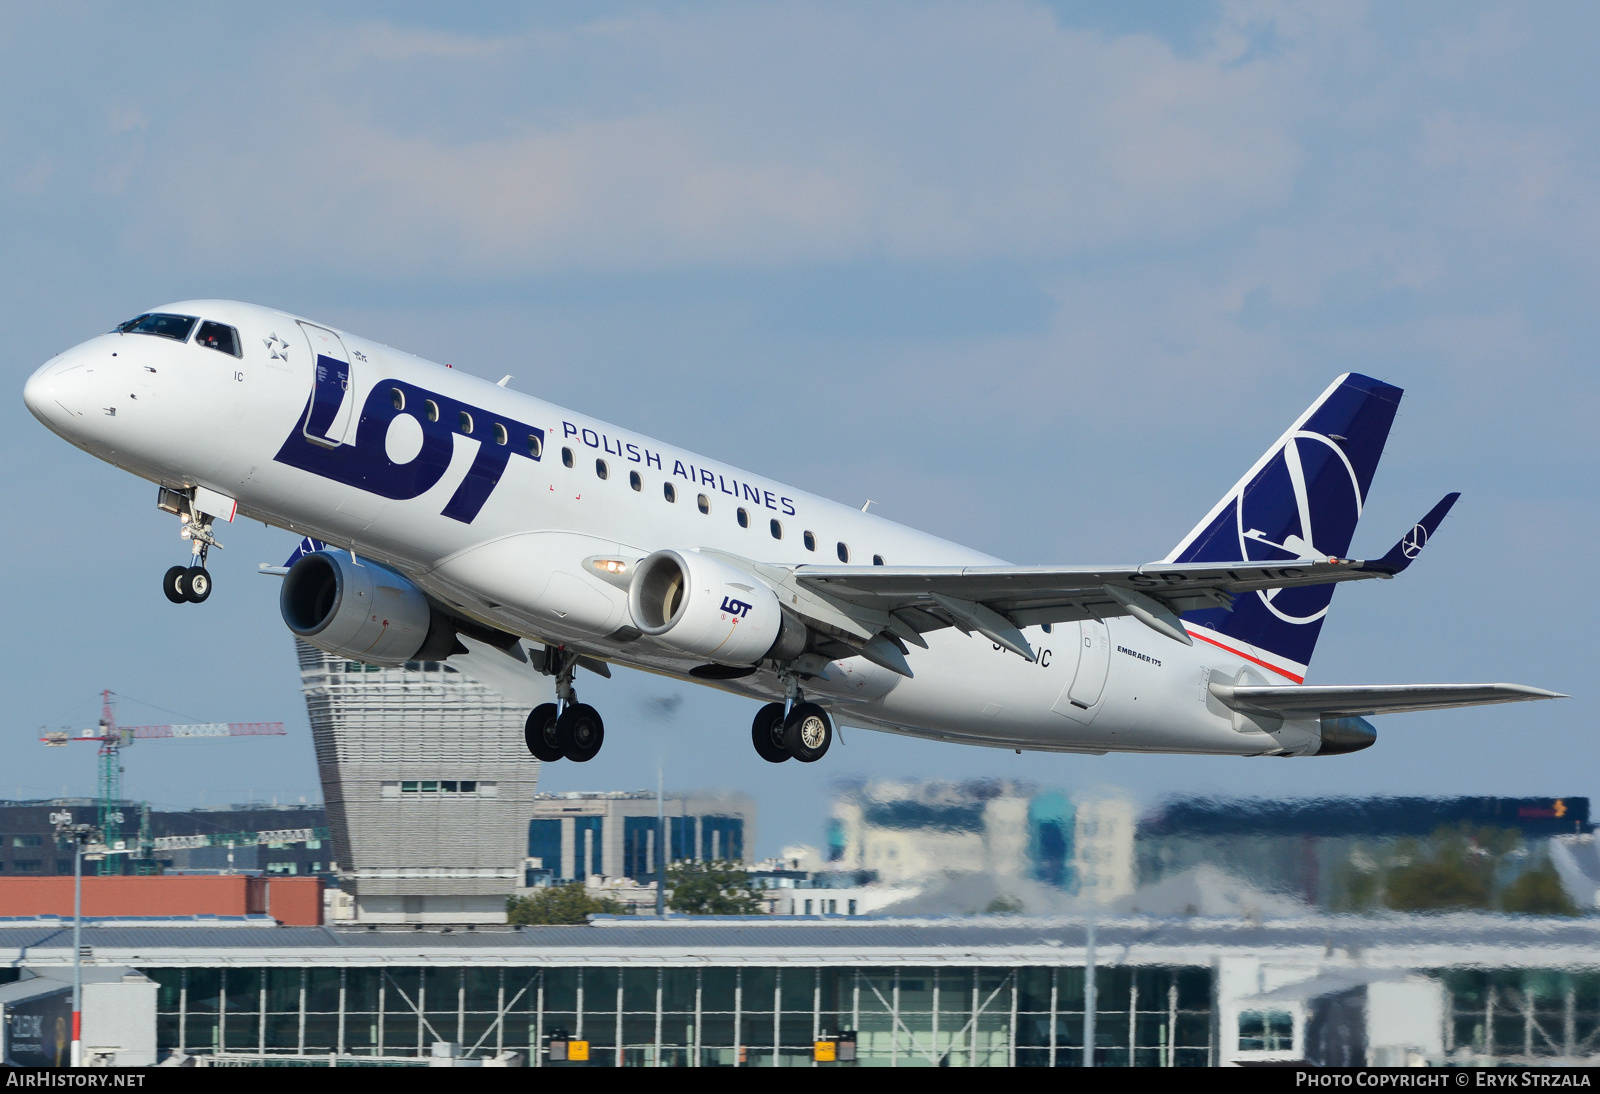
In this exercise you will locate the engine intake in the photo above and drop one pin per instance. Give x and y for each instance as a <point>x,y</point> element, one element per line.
<point>364,611</point>
<point>705,607</point>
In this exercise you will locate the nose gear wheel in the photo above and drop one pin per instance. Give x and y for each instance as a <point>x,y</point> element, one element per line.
<point>196,584</point>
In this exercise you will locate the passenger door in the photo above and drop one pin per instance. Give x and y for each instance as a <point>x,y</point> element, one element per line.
<point>1080,699</point>
<point>333,416</point>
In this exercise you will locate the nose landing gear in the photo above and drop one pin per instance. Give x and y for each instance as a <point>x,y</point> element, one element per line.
<point>573,730</point>
<point>189,584</point>
<point>186,584</point>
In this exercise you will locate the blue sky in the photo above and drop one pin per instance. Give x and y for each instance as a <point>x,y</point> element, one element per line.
<point>1042,278</point>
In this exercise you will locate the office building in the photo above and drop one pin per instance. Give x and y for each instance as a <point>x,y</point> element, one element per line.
<point>576,836</point>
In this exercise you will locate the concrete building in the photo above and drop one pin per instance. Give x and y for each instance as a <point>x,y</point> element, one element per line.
<point>575,836</point>
<point>428,787</point>
<point>899,833</point>
<point>759,992</point>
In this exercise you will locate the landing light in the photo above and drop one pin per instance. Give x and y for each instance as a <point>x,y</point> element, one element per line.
<point>611,565</point>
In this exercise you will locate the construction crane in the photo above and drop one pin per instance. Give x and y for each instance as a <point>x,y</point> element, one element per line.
<point>113,739</point>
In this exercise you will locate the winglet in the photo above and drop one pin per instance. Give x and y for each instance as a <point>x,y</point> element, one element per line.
<point>1411,544</point>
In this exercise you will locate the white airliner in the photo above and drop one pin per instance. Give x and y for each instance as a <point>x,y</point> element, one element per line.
<point>445,516</point>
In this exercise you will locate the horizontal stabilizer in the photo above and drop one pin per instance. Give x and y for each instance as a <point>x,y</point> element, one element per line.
<point>1359,700</point>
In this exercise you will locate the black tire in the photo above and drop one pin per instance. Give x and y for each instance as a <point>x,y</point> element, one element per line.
<point>175,584</point>
<point>196,584</point>
<point>767,734</point>
<point>807,732</point>
<point>540,733</point>
<point>580,732</point>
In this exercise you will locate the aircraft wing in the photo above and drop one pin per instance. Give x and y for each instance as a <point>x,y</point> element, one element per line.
<point>998,601</point>
<point>1357,700</point>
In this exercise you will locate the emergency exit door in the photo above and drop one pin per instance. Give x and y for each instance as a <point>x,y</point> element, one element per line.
<point>1080,699</point>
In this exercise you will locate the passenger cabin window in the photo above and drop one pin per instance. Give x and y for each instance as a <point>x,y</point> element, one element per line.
<point>777,529</point>
<point>744,518</point>
<point>465,421</point>
<point>500,435</point>
<point>397,398</point>
<point>535,446</point>
<point>877,560</point>
<point>566,457</point>
<point>432,409</point>
<point>668,492</point>
<point>176,327</point>
<point>844,553</point>
<point>635,481</point>
<point>1045,628</point>
<point>704,503</point>
<point>811,541</point>
<point>600,468</point>
<point>219,337</point>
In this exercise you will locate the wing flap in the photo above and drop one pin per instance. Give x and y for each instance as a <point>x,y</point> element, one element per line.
<point>1359,700</point>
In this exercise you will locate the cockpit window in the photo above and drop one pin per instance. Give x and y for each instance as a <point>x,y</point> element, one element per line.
<point>176,327</point>
<point>218,337</point>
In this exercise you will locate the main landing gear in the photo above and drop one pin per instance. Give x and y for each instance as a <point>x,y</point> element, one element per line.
<point>573,730</point>
<point>798,729</point>
<point>190,584</point>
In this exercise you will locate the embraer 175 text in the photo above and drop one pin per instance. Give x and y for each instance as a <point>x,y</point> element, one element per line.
<point>447,517</point>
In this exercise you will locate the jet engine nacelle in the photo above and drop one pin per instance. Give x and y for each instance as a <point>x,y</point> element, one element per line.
<point>362,611</point>
<point>702,606</point>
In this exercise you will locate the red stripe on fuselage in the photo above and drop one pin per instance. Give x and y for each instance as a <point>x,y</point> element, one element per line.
<point>1247,657</point>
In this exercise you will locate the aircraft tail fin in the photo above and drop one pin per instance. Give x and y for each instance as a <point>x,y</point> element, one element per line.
<point>1302,499</point>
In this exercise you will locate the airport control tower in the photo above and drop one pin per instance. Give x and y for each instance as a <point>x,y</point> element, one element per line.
<point>428,787</point>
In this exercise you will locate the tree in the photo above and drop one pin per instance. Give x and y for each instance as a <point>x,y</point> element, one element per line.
<point>1436,885</point>
<point>1453,871</point>
<point>1538,892</point>
<point>711,888</point>
<point>559,904</point>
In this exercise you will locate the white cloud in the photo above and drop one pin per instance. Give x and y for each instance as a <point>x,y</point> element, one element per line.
<point>904,133</point>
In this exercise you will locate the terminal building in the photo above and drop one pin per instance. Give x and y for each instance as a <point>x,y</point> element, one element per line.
<point>761,992</point>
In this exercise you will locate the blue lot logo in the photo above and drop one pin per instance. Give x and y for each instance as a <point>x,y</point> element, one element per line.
<point>366,463</point>
<point>734,607</point>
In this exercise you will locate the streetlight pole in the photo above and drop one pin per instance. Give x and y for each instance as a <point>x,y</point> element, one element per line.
<point>80,834</point>
<point>661,847</point>
<point>77,949</point>
<point>85,838</point>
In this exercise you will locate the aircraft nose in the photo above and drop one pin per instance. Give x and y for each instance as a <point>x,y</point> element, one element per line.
<point>40,394</point>
<point>52,394</point>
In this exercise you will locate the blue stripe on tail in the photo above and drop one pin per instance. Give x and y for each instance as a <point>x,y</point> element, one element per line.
<point>1302,500</point>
